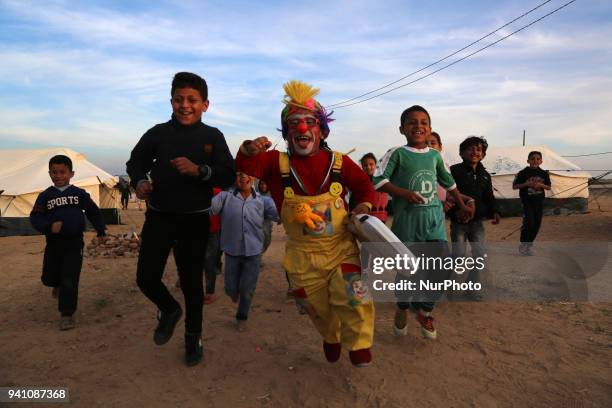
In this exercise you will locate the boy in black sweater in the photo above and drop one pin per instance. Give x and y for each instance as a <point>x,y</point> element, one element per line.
<point>174,167</point>
<point>58,213</point>
<point>474,181</point>
<point>531,183</point>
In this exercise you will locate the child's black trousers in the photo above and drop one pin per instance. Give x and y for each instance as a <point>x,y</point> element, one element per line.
<point>532,220</point>
<point>62,269</point>
<point>187,235</point>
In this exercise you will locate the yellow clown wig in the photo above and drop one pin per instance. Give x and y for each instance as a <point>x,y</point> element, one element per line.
<point>300,96</point>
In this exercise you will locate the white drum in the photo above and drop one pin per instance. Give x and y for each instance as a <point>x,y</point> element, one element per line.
<point>384,242</point>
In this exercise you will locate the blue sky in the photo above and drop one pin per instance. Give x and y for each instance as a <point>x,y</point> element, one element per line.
<point>94,76</point>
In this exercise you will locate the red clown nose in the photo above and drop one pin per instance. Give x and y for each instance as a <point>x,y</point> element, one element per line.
<point>302,128</point>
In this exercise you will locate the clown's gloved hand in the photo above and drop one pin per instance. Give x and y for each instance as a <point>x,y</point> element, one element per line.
<point>302,214</point>
<point>253,147</point>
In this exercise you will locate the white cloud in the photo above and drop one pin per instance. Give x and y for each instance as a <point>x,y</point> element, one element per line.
<point>101,76</point>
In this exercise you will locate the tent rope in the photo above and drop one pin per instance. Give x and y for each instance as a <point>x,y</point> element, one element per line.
<point>7,206</point>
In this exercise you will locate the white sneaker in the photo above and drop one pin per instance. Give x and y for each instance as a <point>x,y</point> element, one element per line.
<point>400,323</point>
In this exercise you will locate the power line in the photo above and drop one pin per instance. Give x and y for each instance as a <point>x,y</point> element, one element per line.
<point>457,61</point>
<point>591,154</point>
<point>441,59</point>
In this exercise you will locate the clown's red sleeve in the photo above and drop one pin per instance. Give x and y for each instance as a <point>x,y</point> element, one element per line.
<point>264,166</point>
<point>261,165</point>
<point>357,181</point>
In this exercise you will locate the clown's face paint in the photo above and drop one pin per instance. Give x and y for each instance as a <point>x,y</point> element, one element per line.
<point>304,133</point>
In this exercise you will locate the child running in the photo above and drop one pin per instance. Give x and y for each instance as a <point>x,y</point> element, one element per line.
<point>242,211</point>
<point>58,213</point>
<point>379,206</point>
<point>531,183</point>
<point>410,174</point>
<point>474,180</point>
<point>174,166</point>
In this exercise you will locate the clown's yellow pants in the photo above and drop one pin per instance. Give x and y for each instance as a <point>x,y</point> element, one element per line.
<point>328,284</point>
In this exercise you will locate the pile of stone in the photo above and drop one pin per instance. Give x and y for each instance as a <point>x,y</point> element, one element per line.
<point>113,246</point>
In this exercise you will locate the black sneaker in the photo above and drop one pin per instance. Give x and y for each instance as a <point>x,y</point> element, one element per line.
<point>525,250</point>
<point>67,323</point>
<point>193,349</point>
<point>165,327</point>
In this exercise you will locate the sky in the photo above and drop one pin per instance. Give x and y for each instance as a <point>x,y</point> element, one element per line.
<point>95,75</point>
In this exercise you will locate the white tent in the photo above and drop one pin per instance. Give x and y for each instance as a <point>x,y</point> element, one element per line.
<point>25,173</point>
<point>567,179</point>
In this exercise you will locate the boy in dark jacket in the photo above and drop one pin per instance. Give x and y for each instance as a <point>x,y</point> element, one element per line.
<point>58,213</point>
<point>474,181</point>
<point>531,183</point>
<point>174,167</point>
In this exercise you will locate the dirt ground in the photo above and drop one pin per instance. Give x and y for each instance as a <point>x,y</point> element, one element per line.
<point>486,355</point>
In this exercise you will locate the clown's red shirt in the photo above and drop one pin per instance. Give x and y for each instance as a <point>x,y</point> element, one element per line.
<point>311,170</point>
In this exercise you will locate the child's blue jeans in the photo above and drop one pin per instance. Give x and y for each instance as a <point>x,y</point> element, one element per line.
<point>426,301</point>
<point>241,273</point>
<point>474,233</point>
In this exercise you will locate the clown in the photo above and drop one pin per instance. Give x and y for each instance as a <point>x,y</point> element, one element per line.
<point>321,258</point>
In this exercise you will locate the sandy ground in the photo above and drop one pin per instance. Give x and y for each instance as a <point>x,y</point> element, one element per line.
<point>486,355</point>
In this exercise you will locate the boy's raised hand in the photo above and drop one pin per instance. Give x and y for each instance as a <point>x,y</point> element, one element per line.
<point>447,205</point>
<point>463,216</point>
<point>413,197</point>
<point>466,213</point>
<point>143,189</point>
<point>540,186</point>
<point>185,166</point>
<point>56,227</point>
<point>471,205</point>
<point>360,208</point>
<point>256,146</point>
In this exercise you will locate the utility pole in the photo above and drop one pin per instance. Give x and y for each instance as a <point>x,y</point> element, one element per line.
<point>523,137</point>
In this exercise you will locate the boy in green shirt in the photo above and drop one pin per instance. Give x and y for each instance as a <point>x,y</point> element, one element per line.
<point>410,174</point>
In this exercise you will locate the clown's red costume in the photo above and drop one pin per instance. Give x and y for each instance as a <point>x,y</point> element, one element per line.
<point>308,185</point>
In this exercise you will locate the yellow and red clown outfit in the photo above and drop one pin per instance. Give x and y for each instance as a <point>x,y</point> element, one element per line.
<point>308,184</point>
